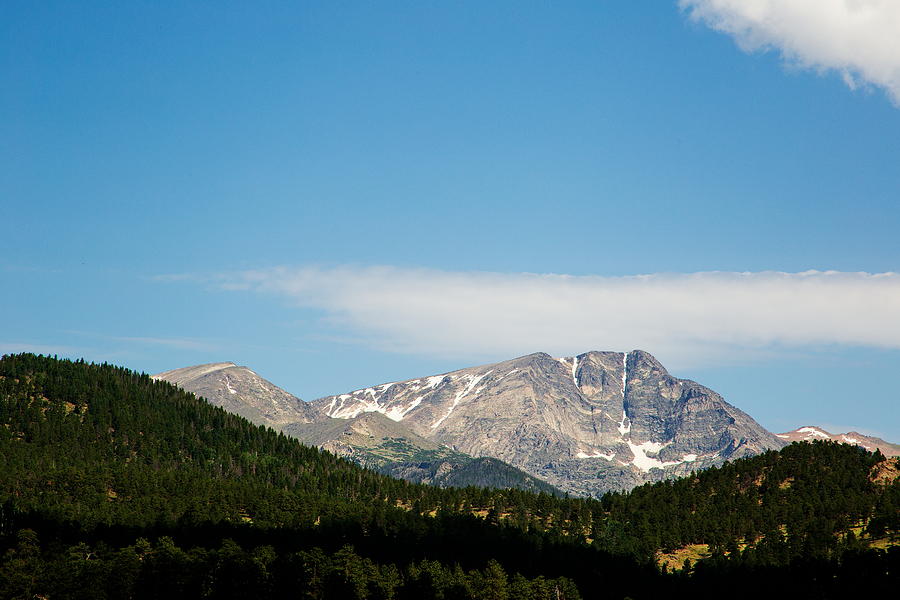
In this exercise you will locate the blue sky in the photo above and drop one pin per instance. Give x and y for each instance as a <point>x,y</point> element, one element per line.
<point>338,194</point>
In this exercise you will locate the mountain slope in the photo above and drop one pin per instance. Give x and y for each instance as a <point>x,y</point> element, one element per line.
<point>100,444</point>
<point>587,424</point>
<point>242,392</point>
<point>810,433</point>
<point>807,500</point>
<point>373,440</point>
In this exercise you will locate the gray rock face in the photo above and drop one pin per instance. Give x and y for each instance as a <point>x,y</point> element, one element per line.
<point>241,391</point>
<point>587,424</point>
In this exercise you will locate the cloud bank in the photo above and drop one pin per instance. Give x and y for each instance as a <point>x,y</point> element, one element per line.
<point>860,39</point>
<point>687,318</point>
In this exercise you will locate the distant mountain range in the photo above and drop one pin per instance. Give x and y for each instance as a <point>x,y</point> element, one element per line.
<point>585,424</point>
<point>811,433</point>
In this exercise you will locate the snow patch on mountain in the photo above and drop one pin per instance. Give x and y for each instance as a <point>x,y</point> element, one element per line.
<point>575,370</point>
<point>596,454</point>
<point>473,381</point>
<point>397,413</point>
<point>435,381</point>
<point>644,462</point>
<point>814,432</point>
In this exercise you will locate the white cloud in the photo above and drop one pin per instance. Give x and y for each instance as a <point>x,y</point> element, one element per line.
<point>860,39</point>
<point>683,318</point>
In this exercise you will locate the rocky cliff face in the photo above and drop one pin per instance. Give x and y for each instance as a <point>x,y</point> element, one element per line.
<point>810,433</point>
<point>241,391</point>
<point>587,424</point>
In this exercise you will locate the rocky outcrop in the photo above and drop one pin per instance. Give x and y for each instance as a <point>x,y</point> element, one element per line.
<point>587,424</point>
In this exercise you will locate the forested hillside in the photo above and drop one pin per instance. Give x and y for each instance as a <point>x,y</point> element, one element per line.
<point>113,485</point>
<point>809,500</point>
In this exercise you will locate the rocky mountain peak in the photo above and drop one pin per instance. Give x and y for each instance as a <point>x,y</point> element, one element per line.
<point>241,391</point>
<point>597,375</point>
<point>644,364</point>
<point>177,376</point>
<point>586,423</point>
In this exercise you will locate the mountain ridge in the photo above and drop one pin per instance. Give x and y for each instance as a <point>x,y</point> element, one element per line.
<point>242,391</point>
<point>811,432</point>
<point>590,423</point>
<point>370,439</point>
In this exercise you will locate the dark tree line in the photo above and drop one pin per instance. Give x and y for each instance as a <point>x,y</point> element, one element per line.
<point>162,569</point>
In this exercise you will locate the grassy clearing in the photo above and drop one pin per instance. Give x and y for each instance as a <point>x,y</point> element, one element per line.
<point>674,561</point>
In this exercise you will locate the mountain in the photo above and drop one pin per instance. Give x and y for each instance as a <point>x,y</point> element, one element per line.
<point>371,439</point>
<point>587,424</point>
<point>810,433</point>
<point>242,392</point>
